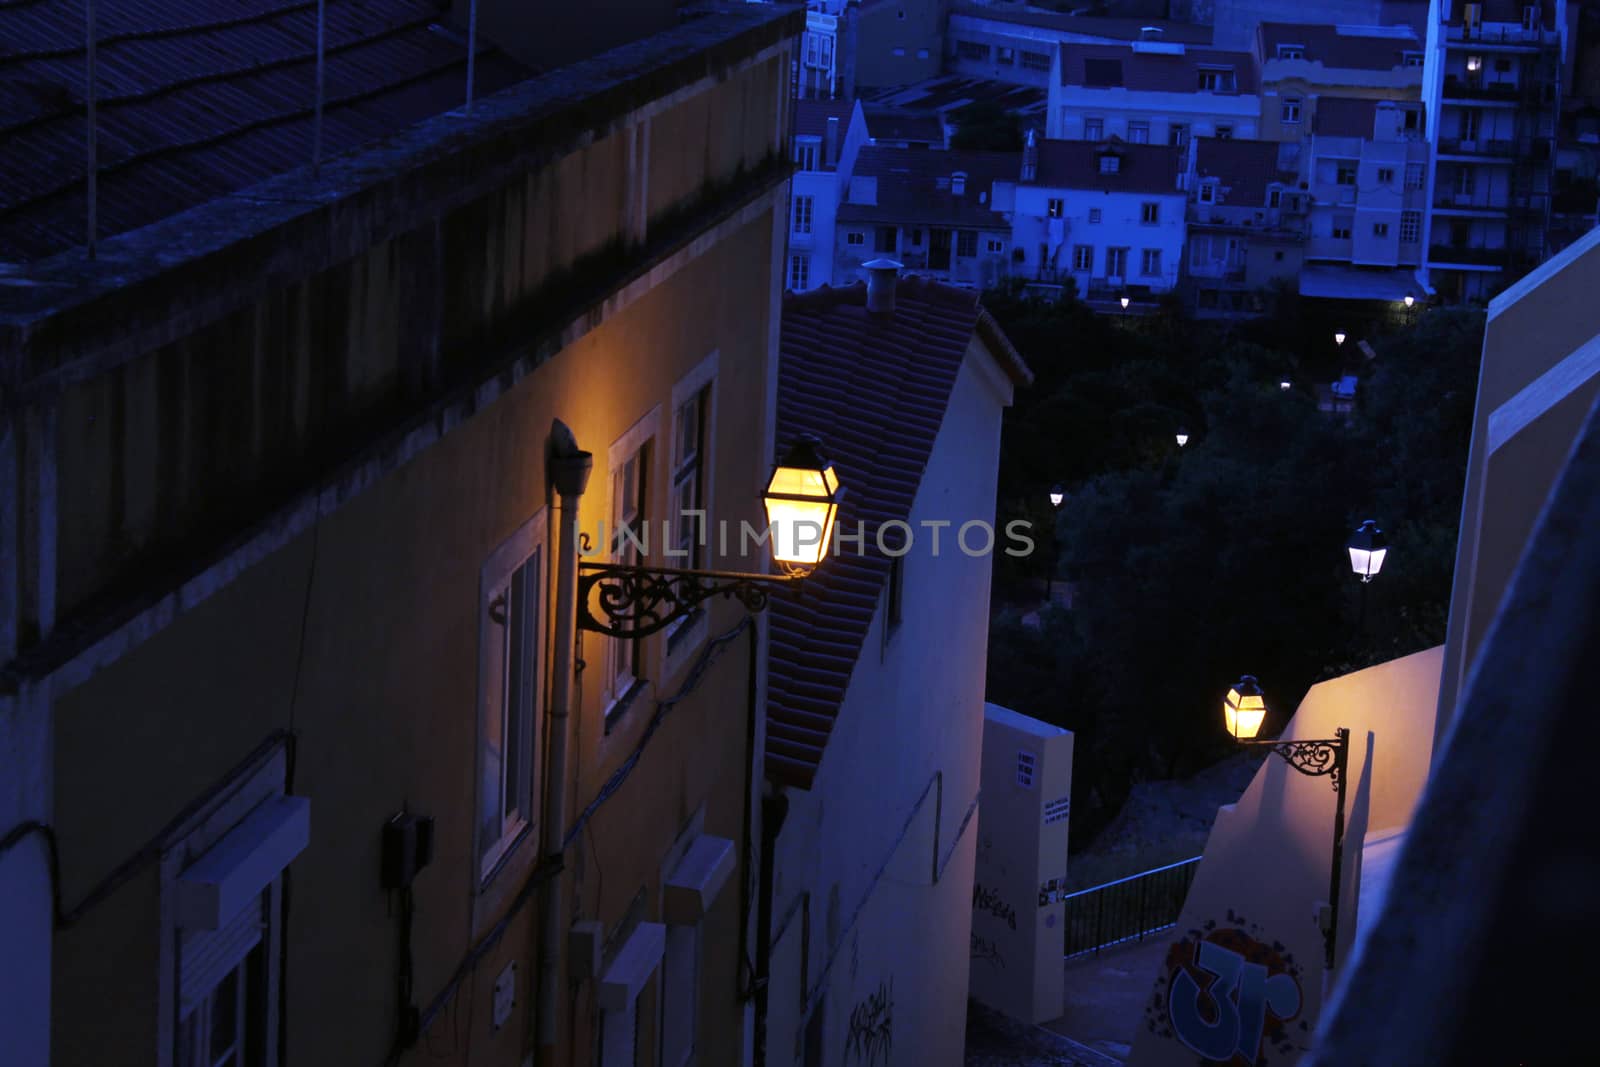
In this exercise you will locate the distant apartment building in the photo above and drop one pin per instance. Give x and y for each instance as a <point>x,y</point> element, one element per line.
<point>1016,43</point>
<point>1302,63</point>
<point>1108,215</point>
<point>1148,92</point>
<point>827,136</point>
<point>893,42</point>
<point>1575,204</point>
<point>1365,170</point>
<point>934,212</point>
<point>1246,223</point>
<point>1493,91</point>
<point>817,65</point>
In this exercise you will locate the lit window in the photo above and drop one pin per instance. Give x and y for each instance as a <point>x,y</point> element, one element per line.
<point>799,273</point>
<point>1150,262</point>
<point>1055,207</point>
<point>510,629</point>
<point>1150,212</point>
<point>1083,257</point>
<point>1290,112</point>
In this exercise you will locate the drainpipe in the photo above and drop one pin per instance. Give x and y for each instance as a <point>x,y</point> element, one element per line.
<point>774,809</point>
<point>568,471</point>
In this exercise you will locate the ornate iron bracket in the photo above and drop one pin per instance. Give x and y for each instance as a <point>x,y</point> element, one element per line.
<point>631,602</point>
<point>1315,758</point>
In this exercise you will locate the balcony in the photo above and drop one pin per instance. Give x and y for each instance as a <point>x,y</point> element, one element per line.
<point>1452,199</point>
<point>1504,34</point>
<point>1502,92</point>
<point>1466,256</point>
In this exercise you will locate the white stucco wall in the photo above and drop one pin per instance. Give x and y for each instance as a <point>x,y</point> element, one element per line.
<point>911,725</point>
<point>1120,226</point>
<point>1202,112</point>
<point>826,188</point>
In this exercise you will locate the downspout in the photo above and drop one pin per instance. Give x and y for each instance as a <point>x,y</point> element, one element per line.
<point>568,471</point>
<point>774,809</point>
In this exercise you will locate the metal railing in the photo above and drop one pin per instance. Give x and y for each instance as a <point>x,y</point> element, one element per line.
<point>1125,910</point>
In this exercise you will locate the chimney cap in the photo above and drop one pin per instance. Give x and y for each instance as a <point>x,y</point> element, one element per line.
<point>883,263</point>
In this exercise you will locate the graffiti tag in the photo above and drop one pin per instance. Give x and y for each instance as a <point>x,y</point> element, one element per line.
<point>988,951</point>
<point>1236,999</point>
<point>872,1026</point>
<point>989,900</point>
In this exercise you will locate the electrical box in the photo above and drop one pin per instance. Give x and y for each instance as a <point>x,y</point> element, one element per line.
<point>407,848</point>
<point>1017,933</point>
<point>505,995</point>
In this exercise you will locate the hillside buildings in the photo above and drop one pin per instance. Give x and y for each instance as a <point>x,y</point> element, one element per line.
<point>828,135</point>
<point>1151,92</point>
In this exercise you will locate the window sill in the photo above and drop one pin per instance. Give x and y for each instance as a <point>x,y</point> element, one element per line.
<point>618,709</point>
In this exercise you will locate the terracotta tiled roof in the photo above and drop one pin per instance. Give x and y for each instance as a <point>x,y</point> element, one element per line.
<point>1346,50</point>
<point>875,394</point>
<point>1108,66</point>
<point>199,98</point>
<point>1244,169</point>
<point>914,187</point>
<point>1141,168</point>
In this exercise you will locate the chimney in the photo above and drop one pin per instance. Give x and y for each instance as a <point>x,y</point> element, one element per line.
<point>1030,157</point>
<point>830,143</point>
<point>958,183</point>
<point>881,277</point>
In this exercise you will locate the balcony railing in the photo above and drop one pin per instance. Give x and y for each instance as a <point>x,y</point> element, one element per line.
<point>1477,147</point>
<point>1466,201</point>
<point>1500,34</point>
<point>1456,89</point>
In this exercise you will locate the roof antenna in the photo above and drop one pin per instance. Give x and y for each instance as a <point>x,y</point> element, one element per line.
<point>316,124</point>
<point>92,163</point>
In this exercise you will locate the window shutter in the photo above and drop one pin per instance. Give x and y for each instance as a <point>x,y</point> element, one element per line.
<point>206,956</point>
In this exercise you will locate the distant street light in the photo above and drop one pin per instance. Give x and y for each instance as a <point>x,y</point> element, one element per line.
<point>1183,438</point>
<point>1056,496</point>
<point>1243,710</point>
<point>1338,337</point>
<point>1124,302</point>
<point>1285,385</point>
<point>1367,548</point>
<point>1409,301</point>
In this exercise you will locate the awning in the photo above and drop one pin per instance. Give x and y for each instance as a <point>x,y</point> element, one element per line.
<point>1334,281</point>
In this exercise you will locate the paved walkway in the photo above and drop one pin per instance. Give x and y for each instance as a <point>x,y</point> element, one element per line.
<point>1105,996</point>
<point>994,1040</point>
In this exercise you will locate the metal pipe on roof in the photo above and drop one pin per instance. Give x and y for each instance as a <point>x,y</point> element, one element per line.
<point>316,122</point>
<point>472,49</point>
<point>92,163</point>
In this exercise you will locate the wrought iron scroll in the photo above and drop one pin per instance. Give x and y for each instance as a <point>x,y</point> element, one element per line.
<point>634,602</point>
<point>1313,758</point>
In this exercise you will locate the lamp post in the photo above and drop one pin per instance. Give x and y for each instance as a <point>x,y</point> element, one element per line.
<point>1243,710</point>
<point>1057,496</point>
<point>1123,300</point>
<point>1368,548</point>
<point>1183,437</point>
<point>1338,337</point>
<point>1284,385</point>
<point>802,496</point>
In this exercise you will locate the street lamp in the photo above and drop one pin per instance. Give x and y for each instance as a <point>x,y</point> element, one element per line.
<point>1338,337</point>
<point>801,501</point>
<point>1057,495</point>
<point>1284,385</point>
<point>1183,438</point>
<point>1367,548</point>
<point>1243,710</point>
<point>1124,302</point>
<point>1410,300</point>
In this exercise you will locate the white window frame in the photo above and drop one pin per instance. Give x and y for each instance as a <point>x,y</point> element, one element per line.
<point>1150,212</point>
<point>1208,192</point>
<point>1291,51</point>
<point>804,212</point>
<point>855,238</point>
<point>1099,128</point>
<point>685,635</point>
<point>1410,223</point>
<point>1138,131</point>
<point>520,559</point>
<point>1380,229</point>
<point>1414,176</point>
<point>263,782</point>
<point>1150,263</point>
<point>1382,171</point>
<point>1055,207</point>
<point>1118,257</point>
<point>799,272</point>
<point>807,150</point>
<point>636,445</point>
<point>1177,134</point>
<point>1289,114</point>
<point>994,245</point>
<point>1082,258</point>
